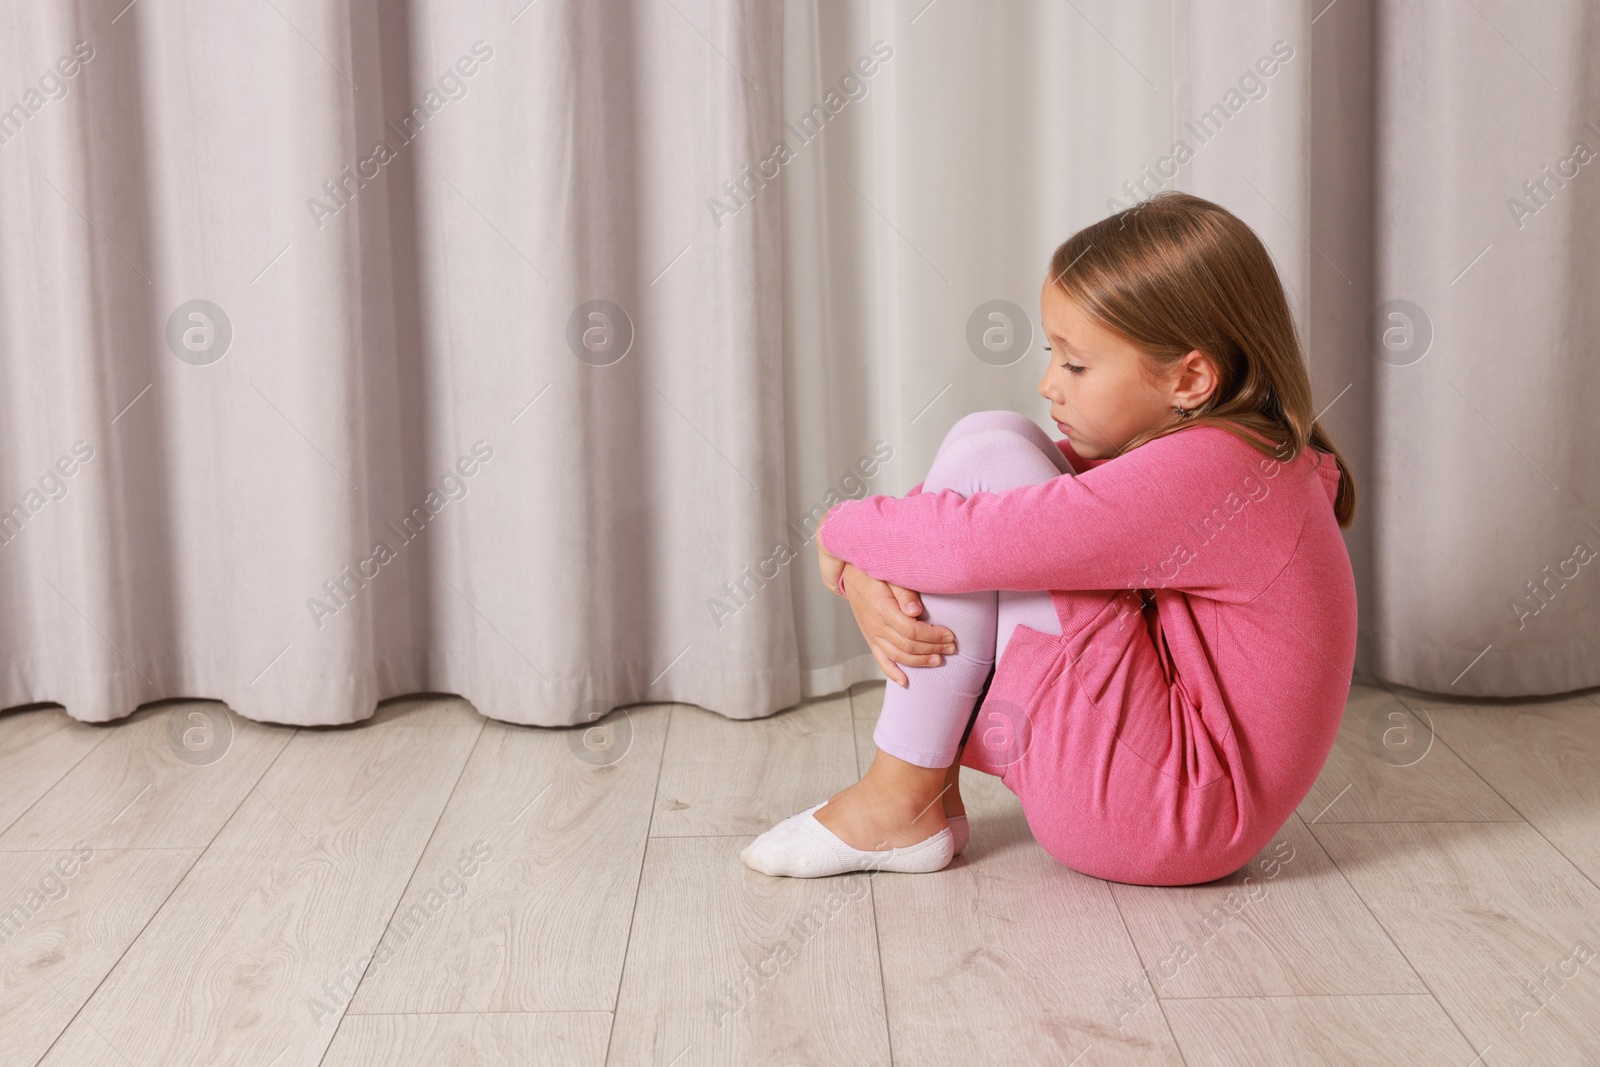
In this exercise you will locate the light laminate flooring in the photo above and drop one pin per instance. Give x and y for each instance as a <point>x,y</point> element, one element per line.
<point>431,887</point>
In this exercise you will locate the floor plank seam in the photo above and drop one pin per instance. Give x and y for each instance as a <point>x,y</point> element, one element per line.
<point>401,896</point>
<point>465,1014</point>
<point>877,934</point>
<point>1144,973</point>
<point>644,854</point>
<point>1293,996</point>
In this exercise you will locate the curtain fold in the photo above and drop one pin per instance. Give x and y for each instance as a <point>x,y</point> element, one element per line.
<point>1423,175</point>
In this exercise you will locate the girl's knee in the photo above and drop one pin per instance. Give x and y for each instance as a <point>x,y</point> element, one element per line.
<point>992,459</point>
<point>990,441</point>
<point>998,419</point>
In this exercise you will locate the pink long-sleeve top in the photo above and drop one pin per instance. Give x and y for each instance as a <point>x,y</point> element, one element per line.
<point>1250,611</point>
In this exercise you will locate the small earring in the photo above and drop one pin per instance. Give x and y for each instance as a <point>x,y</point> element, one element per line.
<point>1181,412</point>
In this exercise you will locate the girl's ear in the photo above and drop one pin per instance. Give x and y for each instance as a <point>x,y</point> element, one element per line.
<point>1197,380</point>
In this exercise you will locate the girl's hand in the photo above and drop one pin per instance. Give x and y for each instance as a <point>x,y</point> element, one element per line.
<point>830,565</point>
<point>887,616</point>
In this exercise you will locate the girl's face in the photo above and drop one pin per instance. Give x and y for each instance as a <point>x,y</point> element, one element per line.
<point>1099,392</point>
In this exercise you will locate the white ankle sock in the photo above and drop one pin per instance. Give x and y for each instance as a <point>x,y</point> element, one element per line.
<point>959,831</point>
<point>801,847</point>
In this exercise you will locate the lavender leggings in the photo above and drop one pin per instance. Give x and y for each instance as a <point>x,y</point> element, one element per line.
<point>923,723</point>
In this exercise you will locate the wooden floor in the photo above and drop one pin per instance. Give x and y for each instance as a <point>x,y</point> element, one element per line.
<point>432,887</point>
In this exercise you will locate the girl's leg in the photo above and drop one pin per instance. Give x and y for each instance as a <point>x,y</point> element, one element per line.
<point>922,723</point>
<point>1037,611</point>
<point>920,728</point>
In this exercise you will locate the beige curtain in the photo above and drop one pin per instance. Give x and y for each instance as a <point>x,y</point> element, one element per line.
<point>359,349</point>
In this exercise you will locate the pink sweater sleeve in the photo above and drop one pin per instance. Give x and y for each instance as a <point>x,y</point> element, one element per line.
<point>1186,511</point>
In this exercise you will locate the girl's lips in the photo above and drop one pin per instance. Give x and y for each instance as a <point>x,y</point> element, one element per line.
<point>1063,427</point>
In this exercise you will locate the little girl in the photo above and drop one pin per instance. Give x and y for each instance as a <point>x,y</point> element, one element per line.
<point>1163,598</point>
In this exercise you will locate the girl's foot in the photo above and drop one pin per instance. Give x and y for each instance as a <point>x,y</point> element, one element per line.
<point>866,816</point>
<point>893,819</point>
<point>801,847</point>
<point>872,815</point>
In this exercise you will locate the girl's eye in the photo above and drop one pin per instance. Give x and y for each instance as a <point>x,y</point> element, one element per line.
<point>1073,367</point>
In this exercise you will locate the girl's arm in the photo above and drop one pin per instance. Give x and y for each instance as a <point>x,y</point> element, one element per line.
<point>1189,511</point>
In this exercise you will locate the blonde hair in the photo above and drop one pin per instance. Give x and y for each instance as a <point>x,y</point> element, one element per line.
<point>1177,272</point>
